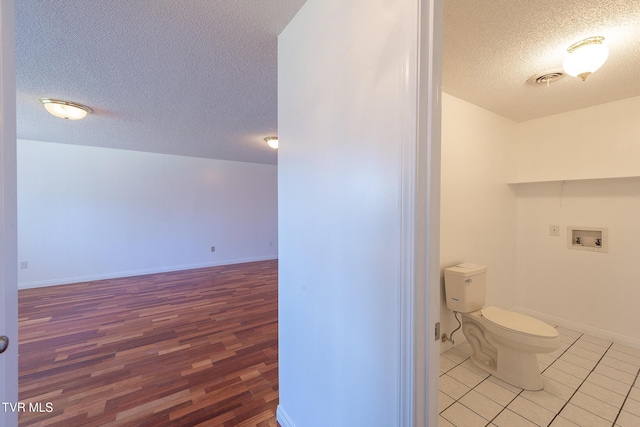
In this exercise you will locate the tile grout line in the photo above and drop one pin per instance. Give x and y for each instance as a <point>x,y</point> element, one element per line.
<point>473,388</point>
<point>626,398</point>
<point>583,381</point>
<point>470,390</point>
<point>548,366</point>
<point>520,392</point>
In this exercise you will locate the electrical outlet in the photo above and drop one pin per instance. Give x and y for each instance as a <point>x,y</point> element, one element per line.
<point>554,230</point>
<point>24,265</point>
<point>213,248</point>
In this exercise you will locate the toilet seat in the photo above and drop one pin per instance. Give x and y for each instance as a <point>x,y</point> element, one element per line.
<point>518,323</point>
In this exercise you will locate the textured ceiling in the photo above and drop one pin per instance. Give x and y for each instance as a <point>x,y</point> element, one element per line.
<point>195,78</point>
<point>198,78</point>
<point>491,48</point>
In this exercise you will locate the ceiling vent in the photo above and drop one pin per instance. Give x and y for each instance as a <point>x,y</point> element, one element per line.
<point>547,77</point>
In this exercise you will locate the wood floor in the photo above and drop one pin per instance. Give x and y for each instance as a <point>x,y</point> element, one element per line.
<point>192,348</point>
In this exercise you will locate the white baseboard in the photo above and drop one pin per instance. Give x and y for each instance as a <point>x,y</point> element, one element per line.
<point>103,276</point>
<point>579,327</point>
<point>283,418</point>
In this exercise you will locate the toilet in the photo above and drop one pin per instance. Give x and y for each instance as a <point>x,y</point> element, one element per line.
<point>503,343</point>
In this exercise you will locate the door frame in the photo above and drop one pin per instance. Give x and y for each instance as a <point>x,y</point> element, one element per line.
<point>8,216</point>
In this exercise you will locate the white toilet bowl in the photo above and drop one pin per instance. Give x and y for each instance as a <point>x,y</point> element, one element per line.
<point>505,343</point>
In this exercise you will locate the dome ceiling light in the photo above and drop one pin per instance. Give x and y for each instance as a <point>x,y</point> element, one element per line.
<point>585,57</point>
<point>272,141</point>
<point>65,109</point>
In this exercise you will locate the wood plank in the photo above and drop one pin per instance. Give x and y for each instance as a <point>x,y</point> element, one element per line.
<point>196,347</point>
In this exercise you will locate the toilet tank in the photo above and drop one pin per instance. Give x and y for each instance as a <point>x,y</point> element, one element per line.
<point>465,287</point>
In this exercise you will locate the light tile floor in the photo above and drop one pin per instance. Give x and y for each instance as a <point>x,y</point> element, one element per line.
<point>588,382</point>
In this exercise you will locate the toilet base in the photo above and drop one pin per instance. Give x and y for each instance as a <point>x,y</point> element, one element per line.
<point>515,368</point>
<point>497,357</point>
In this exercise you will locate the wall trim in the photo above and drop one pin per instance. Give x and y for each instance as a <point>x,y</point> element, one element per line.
<point>283,418</point>
<point>141,272</point>
<point>580,327</point>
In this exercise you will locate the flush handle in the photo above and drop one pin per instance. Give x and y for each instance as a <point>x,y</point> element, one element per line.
<point>468,281</point>
<point>4,343</point>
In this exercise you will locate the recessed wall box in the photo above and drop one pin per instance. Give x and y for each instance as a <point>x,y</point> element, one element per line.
<point>595,239</point>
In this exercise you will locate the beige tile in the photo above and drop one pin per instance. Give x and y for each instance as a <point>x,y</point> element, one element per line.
<point>465,376</point>
<point>455,356</point>
<point>635,392</point>
<point>562,422</point>
<point>453,388</point>
<point>596,340</point>
<point>546,358</point>
<point>608,383</point>
<point>446,364</point>
<point>598,349</point>
<point>468,364</point>
<point>595,406</point>
<point>579,361</point>
<point>531,411</point>
<point>481,404</point>
<point>601,393</point>
<point>544,399</point>
<point>587,354</point>
<point>495,392</point>
<point>625,357</point>
<point>459,415</point>
<point>444,423</point>
<point>627,419</point>
<point>632,406</point>
<point>626,349</point>
<point>614,373</point>
<point>508,418</point>
<point>619,365</point>
<point>562,377</point>
<point>567,339</point>
<point>444,402</point>
<point>557,389</point>
<point>565,345</point>
<point>557,353</point>
<point>582,417</point>
<point>571,369</point>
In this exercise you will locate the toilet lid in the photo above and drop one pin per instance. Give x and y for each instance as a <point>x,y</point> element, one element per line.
<point>518,322</point>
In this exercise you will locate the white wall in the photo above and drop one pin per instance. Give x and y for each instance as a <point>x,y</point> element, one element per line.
<point>593,292</point>
<point>596,142</point>
<point>343,165</point>
<point>89,213</point>
<point>478,209</point>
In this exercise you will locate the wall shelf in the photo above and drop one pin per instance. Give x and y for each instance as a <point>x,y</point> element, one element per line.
<point>542,181</point>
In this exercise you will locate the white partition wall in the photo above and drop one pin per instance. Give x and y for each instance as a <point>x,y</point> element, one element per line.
<point>355,202</point>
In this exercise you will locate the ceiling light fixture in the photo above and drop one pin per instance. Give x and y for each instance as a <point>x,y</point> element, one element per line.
<point>65,109</point>
<point>585,57</point>
<point>272,141</point>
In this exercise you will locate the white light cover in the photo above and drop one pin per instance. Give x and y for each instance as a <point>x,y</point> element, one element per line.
<point>585,60</point>
<point>272,142</point>
<point>65,109</point>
